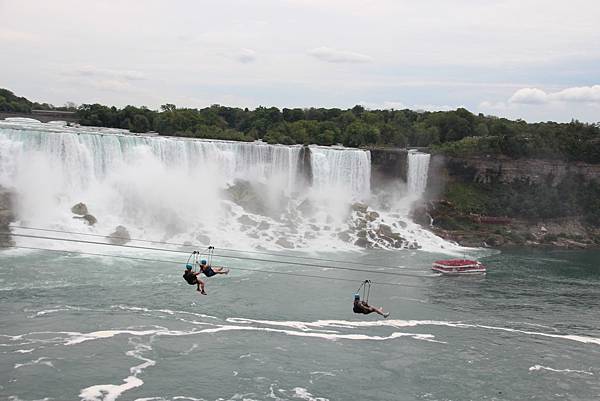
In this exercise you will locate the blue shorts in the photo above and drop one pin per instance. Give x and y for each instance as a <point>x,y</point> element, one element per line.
<point>209,272</point>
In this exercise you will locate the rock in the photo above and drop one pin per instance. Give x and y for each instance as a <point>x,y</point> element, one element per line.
<point>314,227</point>
<point>344,236</point>
<point>7,215</point>
<point>385,230</point>
<point>264,225</point>
<point>247,221</point>
<point>495,240</point>
<point>284,243</point>
<point>203,239</point>
<point>120,236</point>
<point>362,234</point>
<point>89,219</point>
<point>362,243</point>
<point>372,216</point>
<point>359,207</point>
<point>306,207</point>
<point>80,209</point>
<point>360,224</point>
<point>401,224</point>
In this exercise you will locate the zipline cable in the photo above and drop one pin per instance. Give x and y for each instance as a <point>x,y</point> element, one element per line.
<point>219,255</point>
<point>235,268</point>
<point>201,246</point>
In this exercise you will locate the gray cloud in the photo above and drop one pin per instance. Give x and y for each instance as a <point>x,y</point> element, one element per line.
<point>246,56</point>
<point>338,56</point>
<point>94,72</point>
<point>578,94</point>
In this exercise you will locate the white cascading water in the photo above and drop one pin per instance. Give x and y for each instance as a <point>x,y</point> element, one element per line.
<point>418,168</point>
<point>234,194</point>
<point>343,171</point>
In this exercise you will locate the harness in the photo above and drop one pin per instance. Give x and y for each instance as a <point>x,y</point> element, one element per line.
<point>366,289</point>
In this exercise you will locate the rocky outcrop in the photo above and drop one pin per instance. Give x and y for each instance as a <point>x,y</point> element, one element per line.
<point>120,236</point>
<point>489,170</point>
<point>256,198</point>
<point>81,210</point>
<point>497,201</point>
<point>7,216</point>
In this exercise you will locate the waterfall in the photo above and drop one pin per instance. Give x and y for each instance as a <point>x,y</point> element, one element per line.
<point>234,194</point>
<point>343,171</point>
<point>418,167</point>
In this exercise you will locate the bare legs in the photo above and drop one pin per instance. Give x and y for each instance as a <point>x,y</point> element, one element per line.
<point>200,287</point>
<point>376,310</point>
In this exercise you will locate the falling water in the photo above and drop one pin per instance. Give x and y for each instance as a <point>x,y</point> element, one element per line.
<point>418,167</point>
<point>235,194</point>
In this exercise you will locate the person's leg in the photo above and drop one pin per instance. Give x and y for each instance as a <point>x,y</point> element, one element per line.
<point>379,311</point>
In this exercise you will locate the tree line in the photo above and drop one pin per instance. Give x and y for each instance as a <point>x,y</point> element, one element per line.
<point>458,132</point>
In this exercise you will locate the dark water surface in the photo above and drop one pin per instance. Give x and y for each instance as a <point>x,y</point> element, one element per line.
<point>75,327</point>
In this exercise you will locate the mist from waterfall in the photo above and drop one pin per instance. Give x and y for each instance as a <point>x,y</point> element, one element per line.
<point>235,194</point>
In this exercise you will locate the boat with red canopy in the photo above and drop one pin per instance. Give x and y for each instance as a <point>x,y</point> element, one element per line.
<point>458,266</point>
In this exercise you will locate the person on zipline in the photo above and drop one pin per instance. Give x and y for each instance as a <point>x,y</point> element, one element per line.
<point>365,308</point>
<point>210,271</point>
<point>192,278</point>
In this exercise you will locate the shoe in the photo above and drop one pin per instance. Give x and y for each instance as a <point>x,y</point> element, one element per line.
<point>386,314</point>
<point>203,293</point>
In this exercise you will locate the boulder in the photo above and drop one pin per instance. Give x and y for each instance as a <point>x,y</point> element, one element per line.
<point>120,236</point>
<point>80,209</point>
<point>306,207</point>
<point>203,239</point>
<point>264,225</point>
<point>362,243</point>
<point>88,218</point>
<point>284,243</point>
<point>246,220</point>
<point>385,230</point>
<point>359,207</point>
<point>372,216</point>
<point>344,236</point>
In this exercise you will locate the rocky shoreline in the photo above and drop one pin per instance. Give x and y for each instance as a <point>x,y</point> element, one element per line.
<point>442,218</point>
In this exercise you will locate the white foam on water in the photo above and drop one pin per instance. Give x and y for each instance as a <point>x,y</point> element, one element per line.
<point>408,323</point>
<point>25,351</point>
<point>540,367</point>
<point>40,361</point>
<point>304,394</point>
<point>110,392</point>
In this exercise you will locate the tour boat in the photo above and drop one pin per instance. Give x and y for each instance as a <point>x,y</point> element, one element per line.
<point>458,266</point>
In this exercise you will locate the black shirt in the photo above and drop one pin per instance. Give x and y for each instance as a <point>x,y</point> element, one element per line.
<point>190,277</point>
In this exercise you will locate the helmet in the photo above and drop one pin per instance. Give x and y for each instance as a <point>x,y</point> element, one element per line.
<point>203,262</point>
<point>356,297</point>
<point>188,266</point>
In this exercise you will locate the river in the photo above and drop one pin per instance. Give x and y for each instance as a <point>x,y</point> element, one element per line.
<point>122,323</point>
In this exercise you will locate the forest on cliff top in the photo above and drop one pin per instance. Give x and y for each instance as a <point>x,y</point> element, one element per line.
<point>458,132</point>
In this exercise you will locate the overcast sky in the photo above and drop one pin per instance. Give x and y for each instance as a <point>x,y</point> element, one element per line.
<point>536,60</point>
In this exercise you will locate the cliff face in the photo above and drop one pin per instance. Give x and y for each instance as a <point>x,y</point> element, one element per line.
<point>481,201</point>
<point>7,215</point>
<point>489,170</point>
<point>389,162</point>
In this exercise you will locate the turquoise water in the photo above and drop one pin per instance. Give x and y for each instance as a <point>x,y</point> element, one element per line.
<point>78,327</point>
